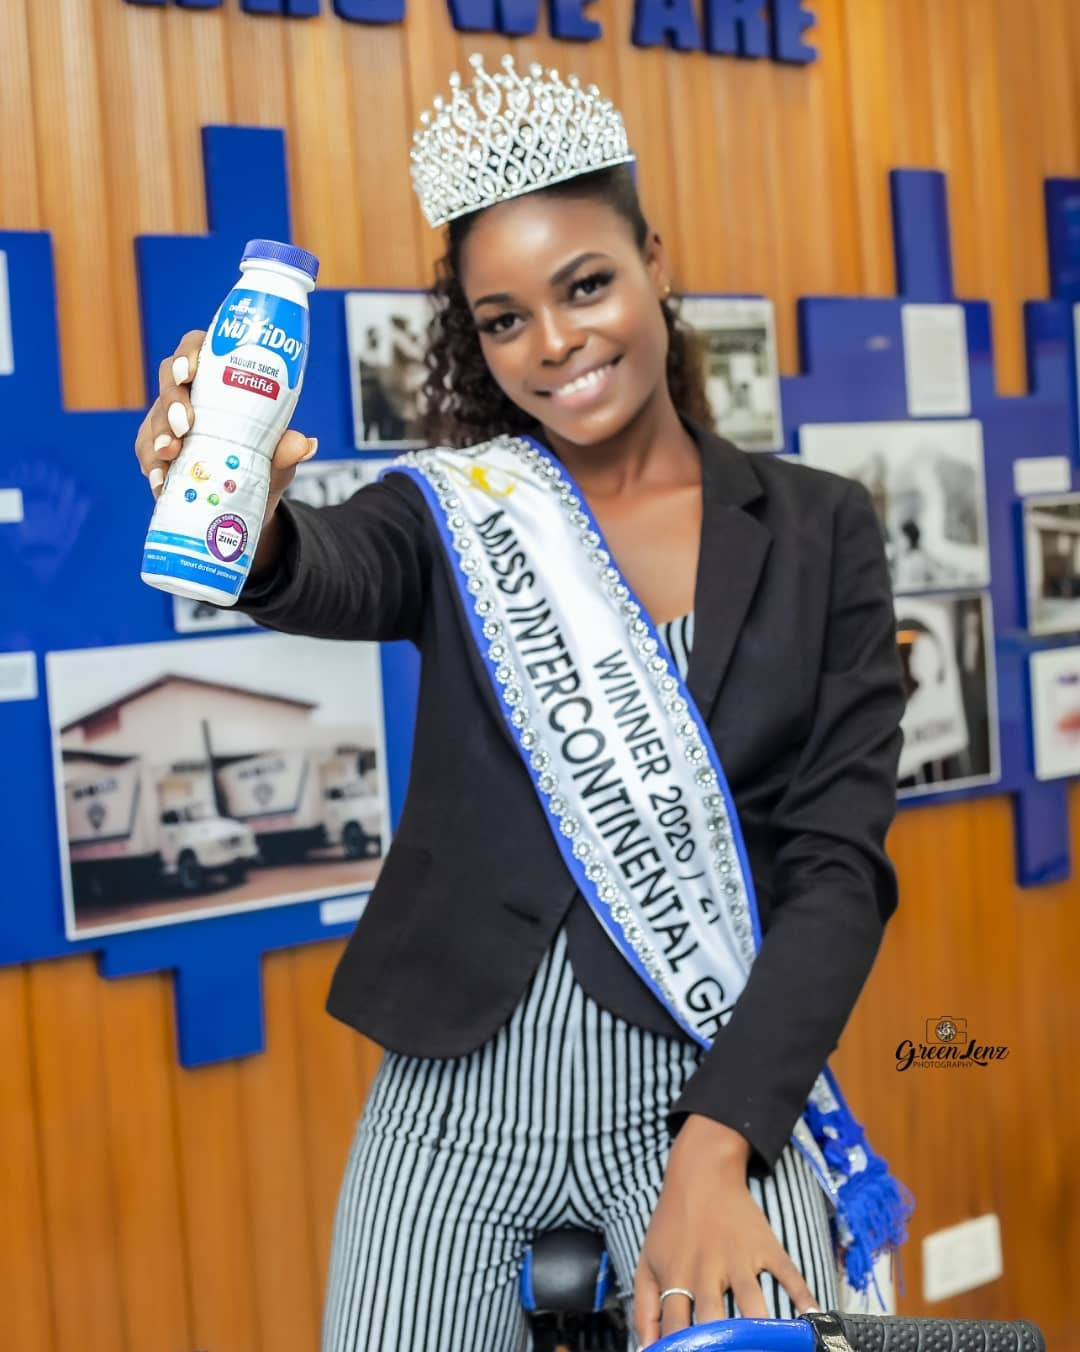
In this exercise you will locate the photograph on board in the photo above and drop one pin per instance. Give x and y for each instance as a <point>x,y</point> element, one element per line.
<point>319,483</point>
<point>1052,563</point>
<point>201,777</point>
<point>742,381</point>
<point>928,484</point>
<point>1055,712</point>
<point>387,338</point>
<point>950,722</point>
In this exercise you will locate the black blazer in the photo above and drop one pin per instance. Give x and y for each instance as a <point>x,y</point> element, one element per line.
<point>795,670</point>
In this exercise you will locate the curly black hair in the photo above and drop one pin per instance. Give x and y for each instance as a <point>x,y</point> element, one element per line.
<point>462,402</point>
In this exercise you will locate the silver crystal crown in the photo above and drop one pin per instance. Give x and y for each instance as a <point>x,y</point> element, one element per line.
<point>510,134</point>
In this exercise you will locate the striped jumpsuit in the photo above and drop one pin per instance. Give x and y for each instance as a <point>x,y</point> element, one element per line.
<point>559,1119</point>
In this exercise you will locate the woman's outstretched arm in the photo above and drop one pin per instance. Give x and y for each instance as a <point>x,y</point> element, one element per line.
<point>358,570</point>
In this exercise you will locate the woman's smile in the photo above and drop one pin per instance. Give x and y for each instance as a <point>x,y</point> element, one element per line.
<point>586,390</point>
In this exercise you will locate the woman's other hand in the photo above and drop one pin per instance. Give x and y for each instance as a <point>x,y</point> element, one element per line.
<point>708,1234</point>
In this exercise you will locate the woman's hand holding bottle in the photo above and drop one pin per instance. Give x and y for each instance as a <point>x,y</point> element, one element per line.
<point>170,418</point>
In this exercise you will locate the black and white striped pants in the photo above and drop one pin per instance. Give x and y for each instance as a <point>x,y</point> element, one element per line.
<point>458,1164</point>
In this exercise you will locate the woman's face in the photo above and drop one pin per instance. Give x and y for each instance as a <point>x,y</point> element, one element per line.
<point>558,290</point>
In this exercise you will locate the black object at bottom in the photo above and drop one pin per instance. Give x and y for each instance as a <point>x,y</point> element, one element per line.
<point>565,1268</point>
<point>896,1333</point>
<point>604,1332</point>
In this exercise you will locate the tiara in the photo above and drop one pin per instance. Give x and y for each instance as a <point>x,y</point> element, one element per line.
<point>510,134</point>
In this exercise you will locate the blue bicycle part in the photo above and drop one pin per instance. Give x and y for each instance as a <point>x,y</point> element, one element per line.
<point>834,1332</point>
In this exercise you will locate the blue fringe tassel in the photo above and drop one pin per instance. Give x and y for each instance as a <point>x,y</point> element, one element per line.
<point>874,1206</point>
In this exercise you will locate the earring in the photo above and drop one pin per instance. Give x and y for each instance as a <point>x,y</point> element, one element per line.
<point>667,291</point>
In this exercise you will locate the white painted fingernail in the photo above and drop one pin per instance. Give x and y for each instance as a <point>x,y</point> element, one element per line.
<point>157,477</point>
<point>313,446</point>
<point>178,419</point>
<point>161,442</point>
<point>181,369</point>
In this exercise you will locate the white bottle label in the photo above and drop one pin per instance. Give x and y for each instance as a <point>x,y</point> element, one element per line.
<point>277,326</point>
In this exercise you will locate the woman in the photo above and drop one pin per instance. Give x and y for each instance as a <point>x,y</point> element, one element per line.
<point>546,1032</point>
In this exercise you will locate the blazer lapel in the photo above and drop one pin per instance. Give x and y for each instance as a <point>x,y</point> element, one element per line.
<point>734,546</point>
<point>733,549</point>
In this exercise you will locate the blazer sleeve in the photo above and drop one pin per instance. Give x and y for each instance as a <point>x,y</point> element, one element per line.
<point>835,887</point>
<point>358,570</point>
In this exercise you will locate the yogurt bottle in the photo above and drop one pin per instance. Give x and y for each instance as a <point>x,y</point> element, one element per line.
<point>206,522</point>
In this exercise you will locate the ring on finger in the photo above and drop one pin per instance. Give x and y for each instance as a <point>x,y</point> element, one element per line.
<point>676,1291</point>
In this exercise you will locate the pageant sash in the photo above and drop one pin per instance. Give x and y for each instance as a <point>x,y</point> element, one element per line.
<point>627,773</point>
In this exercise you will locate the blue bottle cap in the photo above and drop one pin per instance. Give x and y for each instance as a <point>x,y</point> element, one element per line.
<point>288,254</point>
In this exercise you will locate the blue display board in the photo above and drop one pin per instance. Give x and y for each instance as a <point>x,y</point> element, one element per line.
<point>852,358</point>
<point>71,566</point>
<point>71,580</point>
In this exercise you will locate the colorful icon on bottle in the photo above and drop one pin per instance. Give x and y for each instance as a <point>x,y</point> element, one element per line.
<point>199,471</point>
<point>213,499</point>
<point>226,537</point>
<point>233,462</point>
<point>230,485</point>
<point>191,495</point>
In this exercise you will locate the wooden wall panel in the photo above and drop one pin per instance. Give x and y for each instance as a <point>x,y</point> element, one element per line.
<point>386,243</point>
<point>287,1286</point>
<point>830,37</point>
<point>69,130</point>
<point>1059,99</point>
<point>334,1071</point>
<point>19,204</point>
<point>951,145</point>
<point>136,168</point>
<point>968,942</point>
<point>26,1269</point>
<point>866,57</point>
<point>79,1191</point>
<point>148,1207</point>
<point>138,1076</point>
<point>218,1230</point>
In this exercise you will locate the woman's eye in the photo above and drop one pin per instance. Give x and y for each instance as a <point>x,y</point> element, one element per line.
<point>504,322</point>
<point>492,325</point>
<point>594,281</point>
